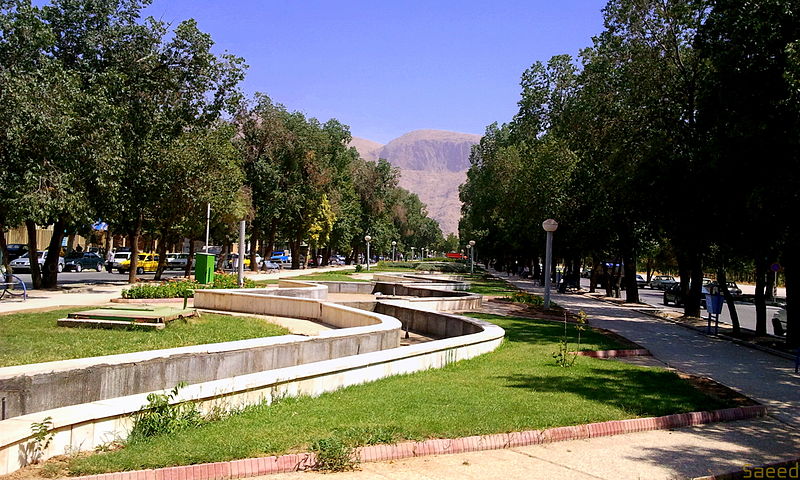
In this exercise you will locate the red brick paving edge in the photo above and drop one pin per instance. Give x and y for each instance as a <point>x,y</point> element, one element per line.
<point>375,453</point>
<point>635,352</point>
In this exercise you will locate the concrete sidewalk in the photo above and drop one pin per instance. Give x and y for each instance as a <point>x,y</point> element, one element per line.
<point>661,454</point>
<point>99,294</point>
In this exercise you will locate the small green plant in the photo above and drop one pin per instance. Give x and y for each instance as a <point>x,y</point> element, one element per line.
<point>563,356</point>
<point>42,437</point>
<point>359,268</point>
<point>334,454</point>
<point>160,416</point>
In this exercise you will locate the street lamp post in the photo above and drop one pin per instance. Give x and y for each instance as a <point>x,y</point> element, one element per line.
<point>549,226</point>
<point>394,244</point>
<point>472,256</point>
<point>367,239</point>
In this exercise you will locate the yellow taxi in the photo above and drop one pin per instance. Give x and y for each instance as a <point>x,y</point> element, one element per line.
<point>148,262</point>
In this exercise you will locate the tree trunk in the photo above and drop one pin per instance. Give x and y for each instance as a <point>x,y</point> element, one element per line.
<point>631,287</point>
<point>769,289</point>
<point>134,238</point>
<point>109,241</point>
<point>722,280</point>
<point>685,274</point>
<point>294,244</point>
<point>792,322</point>
<point>4,246</point>
<point>50,267</point>
<point>189,261</point>
<point>162,258</point>
<point>695,288</point>
<point>254,237</point>
<point>223,257</point>
<point>33,254</point>
<point>760,297</point>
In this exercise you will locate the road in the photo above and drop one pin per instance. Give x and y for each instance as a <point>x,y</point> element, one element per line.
<point>746,310</point>
<point>93,277</point>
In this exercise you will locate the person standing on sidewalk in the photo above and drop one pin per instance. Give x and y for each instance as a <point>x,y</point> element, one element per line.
<point>109,260</point>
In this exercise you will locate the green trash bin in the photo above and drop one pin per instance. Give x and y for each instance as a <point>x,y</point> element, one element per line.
<point>204,267</point>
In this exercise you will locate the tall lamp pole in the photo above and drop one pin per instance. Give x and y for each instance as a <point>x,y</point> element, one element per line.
<point>367,239</point>
<point>549,226</point>
<point>394,244</point>
<point>472,256</point>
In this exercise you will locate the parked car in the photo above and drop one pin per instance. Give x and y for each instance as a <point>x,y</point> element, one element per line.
<point>673,294</point>
<point>661,282</point>
<point>119,257</point>
<point>16,250</point>
<point>147,262</point>
<point>640,281</point>
<point>177,261</point>
<point>734,289</point>
<point>23,263</point>
<point>79,260</point>
<point>231,261</point>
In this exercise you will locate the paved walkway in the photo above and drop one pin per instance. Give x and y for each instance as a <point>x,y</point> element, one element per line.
<point>662,454</point>
<point>767,378</point>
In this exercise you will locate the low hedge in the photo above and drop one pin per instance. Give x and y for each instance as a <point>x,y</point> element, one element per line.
<point>179,288</point>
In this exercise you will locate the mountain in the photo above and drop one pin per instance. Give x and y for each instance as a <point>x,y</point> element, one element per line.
<point>432,163</point>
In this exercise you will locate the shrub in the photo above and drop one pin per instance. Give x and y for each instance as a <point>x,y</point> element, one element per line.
<point>529,298</point>
<point>334,454</point>
<point>179,288</point>
<point>160,416</point>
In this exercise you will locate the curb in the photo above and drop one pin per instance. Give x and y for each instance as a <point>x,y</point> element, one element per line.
<point>148,300</point>
<point>636,352</point>
<point>375,453</point>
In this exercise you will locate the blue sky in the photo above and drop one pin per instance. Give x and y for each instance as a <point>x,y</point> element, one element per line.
<point>389,67</point>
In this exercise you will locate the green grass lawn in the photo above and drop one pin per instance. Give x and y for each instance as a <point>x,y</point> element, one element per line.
<point>485,284</point>
<point>334,276</point>
<point>517,387</point>
<point>34,337</point>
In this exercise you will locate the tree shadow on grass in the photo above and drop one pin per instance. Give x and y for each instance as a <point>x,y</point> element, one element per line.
<point>533,332</point>
<point>639,392</point>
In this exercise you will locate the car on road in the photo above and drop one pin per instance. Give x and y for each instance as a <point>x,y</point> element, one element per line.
<point>78,261</point>
<point>147,262</point>
<point>16,250</point>
<point>119,257</point>
<point>662,282</point>
<point>23,263</point>
<point>640,281</point>
<point>674,295</point>
<point>177,261</point>
<point>734,289</point>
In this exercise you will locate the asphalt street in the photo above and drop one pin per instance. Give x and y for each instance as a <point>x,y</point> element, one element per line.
<point>745,310</point>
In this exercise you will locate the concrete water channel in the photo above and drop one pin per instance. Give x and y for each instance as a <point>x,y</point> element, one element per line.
<point>360,337</point>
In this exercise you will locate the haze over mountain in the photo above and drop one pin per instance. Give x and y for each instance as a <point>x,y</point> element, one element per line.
<point>432,163</point>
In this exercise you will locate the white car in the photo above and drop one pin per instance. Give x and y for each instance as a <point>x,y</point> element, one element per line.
<point>120,257</point>
<point>23,263</point>
<point>177,260</point>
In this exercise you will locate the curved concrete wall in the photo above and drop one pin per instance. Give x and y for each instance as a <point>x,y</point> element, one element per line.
<point>33,388</point>
<point>331,365</point>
